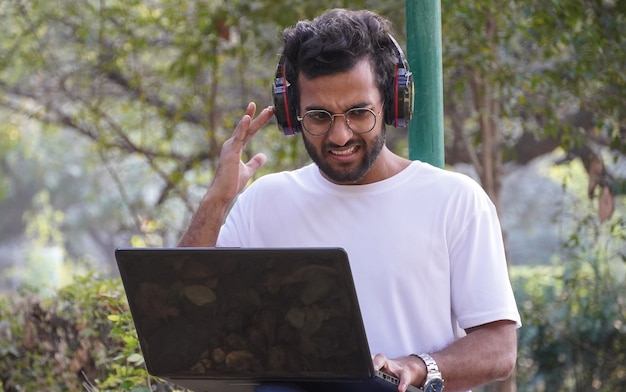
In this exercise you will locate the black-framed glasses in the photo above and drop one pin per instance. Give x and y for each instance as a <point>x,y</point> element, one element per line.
<point>318,122</point>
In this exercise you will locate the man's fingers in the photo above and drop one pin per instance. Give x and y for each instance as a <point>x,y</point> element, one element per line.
<point>395,368</point>
<point>379,361</point>
<point>256,162</point>
<point>251,109</point>
<point>249,125</point>
<point>405,380</point>
<point>241,132</point>
<point>263,117</point>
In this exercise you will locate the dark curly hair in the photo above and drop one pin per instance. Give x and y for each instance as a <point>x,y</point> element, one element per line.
<point>335,42</point>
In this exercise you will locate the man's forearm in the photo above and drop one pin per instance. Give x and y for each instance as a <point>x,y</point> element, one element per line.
<point>486,354</point>
<point>205,224</point>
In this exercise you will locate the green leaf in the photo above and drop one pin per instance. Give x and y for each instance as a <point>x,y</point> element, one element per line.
<point>136,359</point>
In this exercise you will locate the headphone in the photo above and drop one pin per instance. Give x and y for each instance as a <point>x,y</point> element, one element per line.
<point>397,113</point>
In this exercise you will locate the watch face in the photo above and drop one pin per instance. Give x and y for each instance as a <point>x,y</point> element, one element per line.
<point>434,385</point>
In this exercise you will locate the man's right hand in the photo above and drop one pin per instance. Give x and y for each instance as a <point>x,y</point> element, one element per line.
<point>231,177</point>
<point>232,173</point>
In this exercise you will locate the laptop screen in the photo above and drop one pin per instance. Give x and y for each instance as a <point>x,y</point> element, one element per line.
<point>245,313</point>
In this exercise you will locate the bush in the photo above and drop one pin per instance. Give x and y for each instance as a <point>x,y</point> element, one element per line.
<point>80,339</point>
<point>574,314</point>
<point>573,338</point>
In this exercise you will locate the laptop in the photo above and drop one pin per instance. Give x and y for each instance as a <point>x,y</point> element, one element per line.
<point>230,319</point>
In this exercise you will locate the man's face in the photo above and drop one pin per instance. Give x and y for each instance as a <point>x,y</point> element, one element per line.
<point>342,156</point>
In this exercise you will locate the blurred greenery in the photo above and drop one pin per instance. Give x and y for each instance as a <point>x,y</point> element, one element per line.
<point>573,338</point>
<point>117,109</point>
<point>112,113</point>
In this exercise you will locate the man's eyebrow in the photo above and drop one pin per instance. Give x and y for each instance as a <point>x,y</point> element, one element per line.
<point>314,107</point>
<point>362,104</point>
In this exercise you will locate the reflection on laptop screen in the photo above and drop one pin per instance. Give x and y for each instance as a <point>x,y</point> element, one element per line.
<point>246,313</point>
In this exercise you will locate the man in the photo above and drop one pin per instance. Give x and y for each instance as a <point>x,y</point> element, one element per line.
<point>425,244</point>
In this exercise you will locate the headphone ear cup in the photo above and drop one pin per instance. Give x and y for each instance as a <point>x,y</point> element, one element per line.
<point>284,103</point>
<point>399,103</point>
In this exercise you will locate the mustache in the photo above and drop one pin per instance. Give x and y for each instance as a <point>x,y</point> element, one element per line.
<point>350,143</point>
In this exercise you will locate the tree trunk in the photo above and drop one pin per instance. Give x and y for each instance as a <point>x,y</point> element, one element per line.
<point>487,106</point>
<point>490,170</point>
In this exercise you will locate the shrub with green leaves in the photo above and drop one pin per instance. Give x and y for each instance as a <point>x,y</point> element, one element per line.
<point>574,314</point>
<point>573,338</point>
<point>80,339</point>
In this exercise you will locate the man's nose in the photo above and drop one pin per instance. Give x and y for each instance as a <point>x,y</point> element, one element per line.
<point>339,132</point>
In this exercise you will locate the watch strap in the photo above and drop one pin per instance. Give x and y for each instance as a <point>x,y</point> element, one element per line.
<point>432,370</point>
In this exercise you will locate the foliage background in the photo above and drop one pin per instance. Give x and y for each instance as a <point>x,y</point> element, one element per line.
<point>573,339</point>
<point>112,113</point>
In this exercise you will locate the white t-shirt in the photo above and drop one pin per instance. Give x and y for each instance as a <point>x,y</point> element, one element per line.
<point>425,248</point>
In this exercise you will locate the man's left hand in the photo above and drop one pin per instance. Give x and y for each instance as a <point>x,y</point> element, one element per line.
<point>410,370</point>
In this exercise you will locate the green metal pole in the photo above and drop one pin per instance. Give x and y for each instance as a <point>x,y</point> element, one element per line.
<point>423,26</point>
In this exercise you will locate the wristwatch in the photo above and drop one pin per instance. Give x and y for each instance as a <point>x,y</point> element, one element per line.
<point>434,381</point>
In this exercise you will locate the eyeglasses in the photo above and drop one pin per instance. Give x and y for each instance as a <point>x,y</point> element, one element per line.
<point>318,122</point>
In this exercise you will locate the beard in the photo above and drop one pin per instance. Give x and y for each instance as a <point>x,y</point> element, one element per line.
<point>347,174</point>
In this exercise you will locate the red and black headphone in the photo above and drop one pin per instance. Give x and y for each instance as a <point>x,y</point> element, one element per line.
<point>397,114</point>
